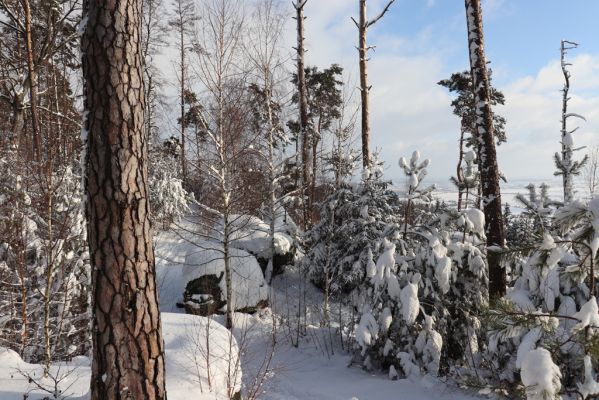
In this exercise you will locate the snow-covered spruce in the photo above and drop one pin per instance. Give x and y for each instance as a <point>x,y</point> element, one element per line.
<point>550,310</point>
<point>353,221</point>
<point>408,295</point>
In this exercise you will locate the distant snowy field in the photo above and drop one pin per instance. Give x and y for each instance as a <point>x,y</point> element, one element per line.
<point>445,191</point>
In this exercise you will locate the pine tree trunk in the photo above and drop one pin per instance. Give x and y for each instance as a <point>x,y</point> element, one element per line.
<point>459,172</point>
<point>32,83</point>
<point>128,350</point>
<point>488,158</point>
<point>182,97</point>
<point>364,89</point>
<point>303,107</point>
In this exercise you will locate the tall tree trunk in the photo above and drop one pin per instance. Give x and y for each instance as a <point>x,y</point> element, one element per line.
<point>32,82</point>
<point>363,26</point>
<point>182,97</point>
<point>488,158</point>
<point>128,350</point>
<point>566,149</point>
<point>459,172</point>
<point>364,88</point>
<point>303,106</point>
<point>18,122</point>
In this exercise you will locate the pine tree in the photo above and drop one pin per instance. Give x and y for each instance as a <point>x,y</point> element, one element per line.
<point>128,350</point>
<point>464,107</point>
<point>363,25</point>
<point>488,157</point>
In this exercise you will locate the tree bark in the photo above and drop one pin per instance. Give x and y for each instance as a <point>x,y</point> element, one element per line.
<point>128,350</point>
<point>459,172</point>
<point>182,94</point>
<point>32,83</point>
<point>363,26</point>
<point>488,157</point>
<point>364,88</point>
<point>303,105</point>
<point>566,150</point>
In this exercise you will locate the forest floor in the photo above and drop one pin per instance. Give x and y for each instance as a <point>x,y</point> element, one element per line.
<point>276,362</point>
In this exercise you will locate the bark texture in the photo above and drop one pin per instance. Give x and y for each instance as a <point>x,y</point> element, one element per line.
<point>364,88</point>
<point>128,350</point>
<point>32,83</point>
<point>363,48</point>
<point>488,157</point>
<point>303,105</point>
<point>182,94</point>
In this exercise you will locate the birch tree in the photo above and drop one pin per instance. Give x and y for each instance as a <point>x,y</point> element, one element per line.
<point>489,169</point>
<point>263,51</point>
<point>222,120</point>
<point>128,350</point>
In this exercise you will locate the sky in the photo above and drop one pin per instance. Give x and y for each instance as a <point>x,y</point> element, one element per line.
<point>420,42</point>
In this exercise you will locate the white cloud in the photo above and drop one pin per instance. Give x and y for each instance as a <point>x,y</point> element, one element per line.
<point>410,111</point>
<point>533,112</point>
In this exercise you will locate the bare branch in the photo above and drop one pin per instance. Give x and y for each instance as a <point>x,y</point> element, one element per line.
<point>375,20</point>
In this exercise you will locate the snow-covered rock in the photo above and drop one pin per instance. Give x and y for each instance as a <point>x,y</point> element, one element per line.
<point>251,234</point>
<point>204,274</point>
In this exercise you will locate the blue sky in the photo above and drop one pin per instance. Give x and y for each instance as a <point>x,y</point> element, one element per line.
<point>420,42</point>
<point>521,35</point>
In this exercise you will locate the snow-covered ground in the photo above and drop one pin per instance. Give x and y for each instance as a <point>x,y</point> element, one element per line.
<point>273,367</point>
<point>445,191</point>
<point>185,350</point>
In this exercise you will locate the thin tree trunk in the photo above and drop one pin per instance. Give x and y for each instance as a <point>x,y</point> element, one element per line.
<point>18,121</point>
<point>303,107</point>
<point>128,350</point>
<point>488,158</point>
<point>459,172</point>
<point>228,275</point>
<point>182,94</point>
<point>364,88</point>
<point>32,83</point>
<point>272,198</point>
<point>566,150</point>
<point>363,26</point>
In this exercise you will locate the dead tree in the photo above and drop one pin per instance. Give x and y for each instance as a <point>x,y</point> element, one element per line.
<point>566,166</point>
<point>489,170</point>
<point>128,350</point>
<point>363,48</point>
<point>303,107</point>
